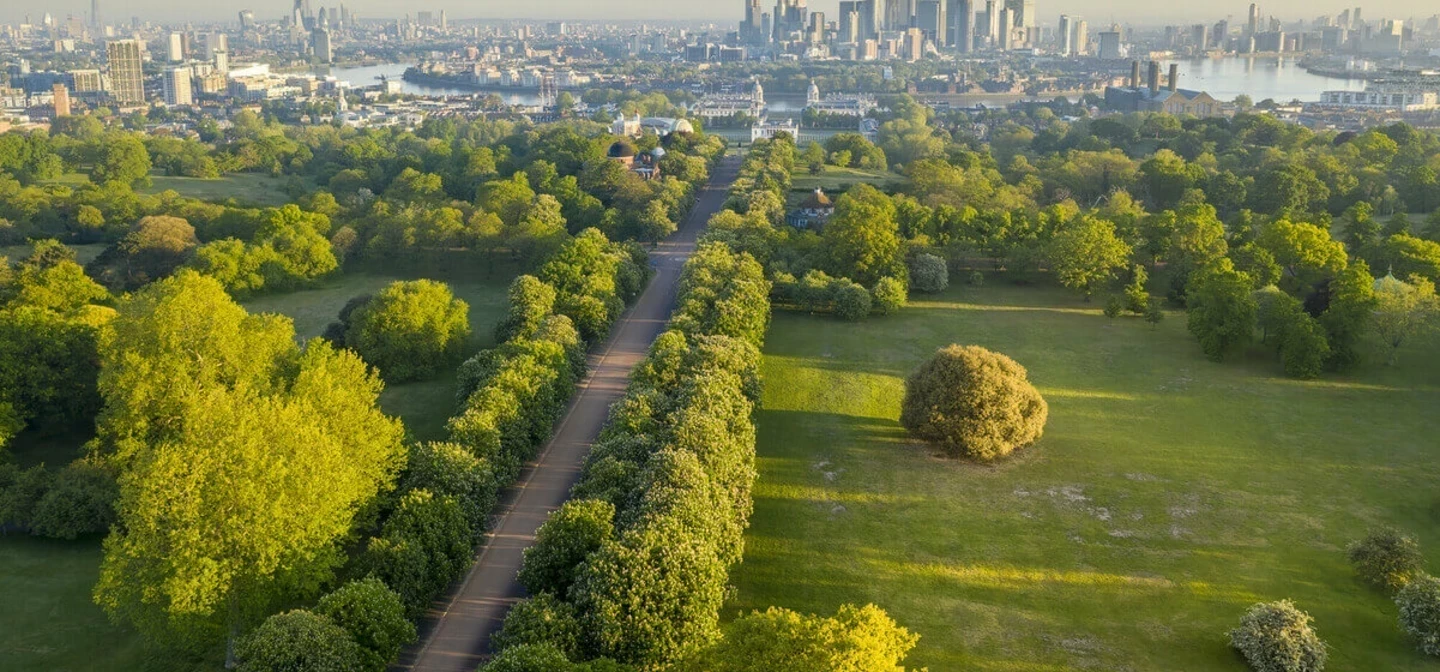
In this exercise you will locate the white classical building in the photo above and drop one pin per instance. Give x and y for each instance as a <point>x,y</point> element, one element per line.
<point>854,105</point>
<point>727,105</point>
<point>767,129</point>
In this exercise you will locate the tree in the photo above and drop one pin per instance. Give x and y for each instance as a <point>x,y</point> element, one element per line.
<point>654,223</point>
<point>852,301</point>
<point>543,657</point>
<point>1222,310</point>
<point>1403,310</point>
<point>121,157</point>
<point>1387,559</point>
<point>449,469</point>
<point>974,403</point>
<point>1086,254</point>
<point>856,639</point>
<point>1277,637</point>
<point>862,239</point>
<point>1419,603</point>
<point>48,366</point>
<point>888,295</point>
<point>79,501</point>
<point>299,641</point>
<point>373,616</point>
<point>1408,255</point>
<point>929,273</point>
<point>1361,229</point>
<point>1137,299</point>
<point>411,330</point>
<point>1303,350</point>
<point>541,619</point>
<point>1350,313</point>
<point>422,547</point>
<point>242,458</point>
<point>531,301</point>
<point>568,537</point>
<point>1305,252</point>
<point>154,248</point>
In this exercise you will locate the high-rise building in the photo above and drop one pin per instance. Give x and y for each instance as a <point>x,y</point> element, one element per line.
<point>1253,26</point>
<point>320,45</point>
<point>1082,38</point>
<point>222,62</point>
<point>127,78</point>
<point>962,17</point>
<point>930,17</point>
<point>1023,13</point>
<point>62,100</point>
<point>992,23</point>
<point>247,19</point>
<point>444,21</point>
<point>95,13</point>
<point>872,19</point>
<point>211,43</point>
<point>1065,36</point>
<point>177,87</point>
<point>914,44</point>
<point>1110,45</point>
<point>175,48</point>
<point>1200,36</point>
<point>85,81</point>
<point>848,22</point>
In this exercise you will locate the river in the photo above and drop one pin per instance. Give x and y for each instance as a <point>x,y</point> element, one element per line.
<point>1258,77</point>
<point>368,75</point>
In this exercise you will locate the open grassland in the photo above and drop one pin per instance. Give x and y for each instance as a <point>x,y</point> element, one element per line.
<point>1168,494</point>
<point>246,188</point>
<point>424,405</point>
<point>836,180</point>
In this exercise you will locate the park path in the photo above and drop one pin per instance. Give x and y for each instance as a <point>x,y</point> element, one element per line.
<point>458,636</point>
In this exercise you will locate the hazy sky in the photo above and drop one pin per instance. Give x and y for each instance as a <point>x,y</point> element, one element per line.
<point>1144,11</point>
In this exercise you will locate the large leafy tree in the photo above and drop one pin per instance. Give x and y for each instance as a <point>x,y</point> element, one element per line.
<point>411,330</point>
<point>1222,308</point>
<point>1086,254</point>
<point>856,639</point>
<point>862,238</point>
<point>1404,310</point>
<point>242,460</point>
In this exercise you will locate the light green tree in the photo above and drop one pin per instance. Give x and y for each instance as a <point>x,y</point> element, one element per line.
<point>1086,254</point>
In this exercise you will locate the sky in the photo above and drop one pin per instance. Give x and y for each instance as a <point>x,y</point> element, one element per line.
<point>1095,11</point>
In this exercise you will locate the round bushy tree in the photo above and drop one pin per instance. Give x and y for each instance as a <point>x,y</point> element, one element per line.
<point>529,658</point>
<point>411,330</point>
<point>374,617</point>
<point>929,273</point>
<point>1277,637</point>
<point>299,641</point>
<point>974,403</point>
<point>1419,603</point>
<point>1386,558</point>
<point>852,302</point>
<point>448,469</point>
<point>571,534</point>
<point>541,619</point>
<point>889,295</point>
<point>80,501</point>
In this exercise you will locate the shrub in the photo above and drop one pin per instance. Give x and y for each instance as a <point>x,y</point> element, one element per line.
<point>1154,314</point>
<point>1386,558</point>
<point>1419,603</point>
<point>929,273</point>
<point>973,402</point>
<point>411,330</point>
<point>374,617</point>
<point>1277,637</point>
<point>1114,306</point>
<point>298,641</point>
<point>977,279</point>
<point>573,532</point>
<point>529,658</point>
<point>80,501</point>
<point>852,302</point>
<point>20,491</point>
<point>857,638</point>
<point>541,619</point>
<point>889,295</point>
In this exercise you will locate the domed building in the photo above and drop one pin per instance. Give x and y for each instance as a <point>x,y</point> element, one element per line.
<point>623,151</point>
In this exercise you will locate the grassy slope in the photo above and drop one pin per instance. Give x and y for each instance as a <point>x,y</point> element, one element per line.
<point>1167,495</point>
<point>836,180</point>
<point>249,188</point>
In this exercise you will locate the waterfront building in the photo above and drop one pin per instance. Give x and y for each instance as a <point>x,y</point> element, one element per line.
<point>1152,98</point>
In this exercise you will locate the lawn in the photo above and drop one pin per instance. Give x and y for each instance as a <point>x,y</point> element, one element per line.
<point>1168,494</point>
<point>424,405</point>
<point>247,188</point>
<point>836,180</point>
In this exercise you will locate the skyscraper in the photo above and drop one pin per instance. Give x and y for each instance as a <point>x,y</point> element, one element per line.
<point>95,13</point>
<point>175,48</point>
<point>177,87</point>
<point>1082,37</point>
<point>1066,37</point>
<point>930,15</point>
<point>849,21</point>
<point>320,45</point>
<point>962,16</point>
<point>127,78</point>
<point>1007,29</point>
<point>1254,25</point>
<point>992,23</point>
<point>247,19</point>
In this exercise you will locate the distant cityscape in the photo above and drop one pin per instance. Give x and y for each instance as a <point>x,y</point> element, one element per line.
<point>950,52</point>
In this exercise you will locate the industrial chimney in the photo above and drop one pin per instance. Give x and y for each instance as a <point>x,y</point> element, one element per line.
<point>1154,77</point>
<point>1134,74</point>
<point>1174,76</point>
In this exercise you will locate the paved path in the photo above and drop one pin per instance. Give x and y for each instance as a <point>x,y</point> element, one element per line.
<point>459,634</point>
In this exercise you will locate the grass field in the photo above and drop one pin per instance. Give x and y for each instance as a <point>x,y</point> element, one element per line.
<point>424,405</point>
<point>247,188</point>
<point>1168,494</point>
<point>836,180</point>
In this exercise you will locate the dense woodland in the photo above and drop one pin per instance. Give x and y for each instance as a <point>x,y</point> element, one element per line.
<point>1323,247</point>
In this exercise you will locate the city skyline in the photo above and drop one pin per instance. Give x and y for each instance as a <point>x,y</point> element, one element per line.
<point>1123,11</point>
